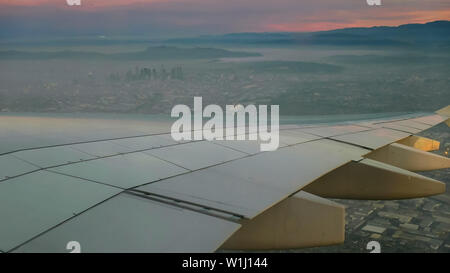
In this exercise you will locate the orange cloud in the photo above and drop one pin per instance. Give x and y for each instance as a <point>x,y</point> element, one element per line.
<point>214,16</point>
<point>336,20</point>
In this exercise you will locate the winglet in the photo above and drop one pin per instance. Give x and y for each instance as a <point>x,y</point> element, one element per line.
<point>444,111</point>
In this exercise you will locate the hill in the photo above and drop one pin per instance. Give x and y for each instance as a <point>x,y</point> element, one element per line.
<point>151,53</point>
<point>436,34</point>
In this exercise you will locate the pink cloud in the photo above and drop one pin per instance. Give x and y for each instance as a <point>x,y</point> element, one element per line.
<point>344,19</point>
<point>218,16</point>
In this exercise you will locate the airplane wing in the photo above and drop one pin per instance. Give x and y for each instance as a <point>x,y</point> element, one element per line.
<point>127,186</point>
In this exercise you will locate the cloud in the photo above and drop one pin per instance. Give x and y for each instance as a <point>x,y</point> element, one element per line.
<point>159,18</point>
<point>366,18</point>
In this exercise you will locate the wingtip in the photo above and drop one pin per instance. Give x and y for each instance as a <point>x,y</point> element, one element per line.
<point>444,111</point>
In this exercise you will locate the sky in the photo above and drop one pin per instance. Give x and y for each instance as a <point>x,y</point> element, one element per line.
<point>180,18</point>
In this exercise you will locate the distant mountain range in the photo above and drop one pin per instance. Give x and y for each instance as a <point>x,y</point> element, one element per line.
<point>435,33</point>
<point>152,53</point>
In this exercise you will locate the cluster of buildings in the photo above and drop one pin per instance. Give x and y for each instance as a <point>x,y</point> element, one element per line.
<point>175,73</point>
